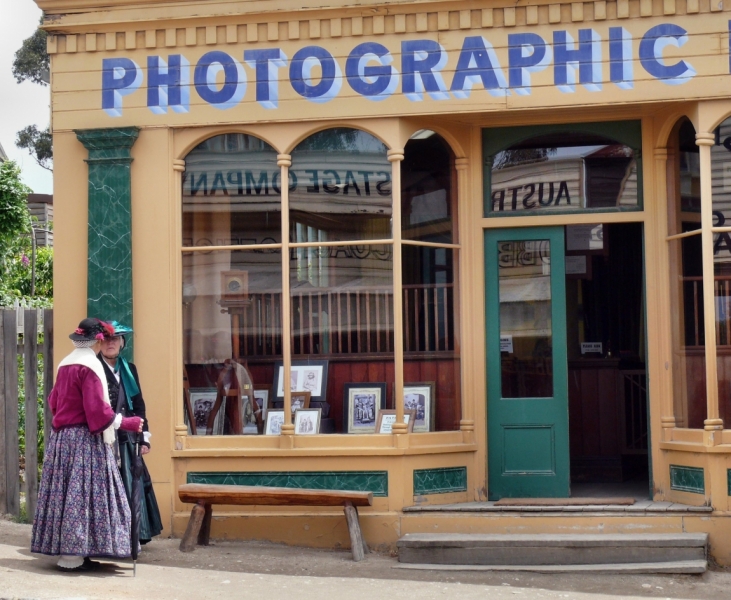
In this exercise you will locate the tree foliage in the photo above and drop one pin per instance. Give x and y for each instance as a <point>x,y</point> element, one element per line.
<point>14,215</point>
<point>38,143</point>
<point>32,62</point>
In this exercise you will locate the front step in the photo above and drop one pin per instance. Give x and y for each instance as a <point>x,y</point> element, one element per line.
<point>686,567</point>
<point>682,552</point>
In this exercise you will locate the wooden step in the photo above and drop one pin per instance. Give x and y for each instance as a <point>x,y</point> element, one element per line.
<point>686,567</point>
<point>550,550</point>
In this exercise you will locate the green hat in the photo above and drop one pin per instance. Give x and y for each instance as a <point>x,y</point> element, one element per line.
<point>119,329</point>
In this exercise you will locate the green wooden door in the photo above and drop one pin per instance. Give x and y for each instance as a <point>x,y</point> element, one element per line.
<point>527,378</point>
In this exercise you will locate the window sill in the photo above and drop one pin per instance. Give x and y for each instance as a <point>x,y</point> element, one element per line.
<point>694,440</point>
<point>443,442</point>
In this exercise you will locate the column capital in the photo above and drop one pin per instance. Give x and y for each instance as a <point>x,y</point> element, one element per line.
<point>661,153</point>
<point>179,165</point>
<point>461,164</point>
<point>705,139</point>
<point>284,160</point>
<point>395,155</point>
<point>111,144</point>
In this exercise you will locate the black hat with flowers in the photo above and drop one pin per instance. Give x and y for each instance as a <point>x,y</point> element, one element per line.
<point>92,329</point>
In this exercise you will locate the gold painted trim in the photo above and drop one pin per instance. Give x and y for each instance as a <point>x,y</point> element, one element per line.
<point>218,30</point>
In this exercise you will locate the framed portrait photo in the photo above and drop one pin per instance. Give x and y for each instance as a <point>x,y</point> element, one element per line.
<point>386,419</point>
<point>307,421</point>
<point>306,376</point>
<point>419,397</point>
<point>274,422</point>
<point>300,400</point>
<point>361,404</point>
<point>202,401</point>
<point>261,400</point>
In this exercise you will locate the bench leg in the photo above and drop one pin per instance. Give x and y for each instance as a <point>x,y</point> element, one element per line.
<point>366,549</point>
<point>356,537</point>
<point>205,533</point>
<point>187,544</point>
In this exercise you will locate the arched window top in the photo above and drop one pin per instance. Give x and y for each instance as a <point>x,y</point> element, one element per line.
<point>593,166</point>
<point>231,143</point>
<point>340,187</point>
<point>428,193</point>
<point>341,139</point>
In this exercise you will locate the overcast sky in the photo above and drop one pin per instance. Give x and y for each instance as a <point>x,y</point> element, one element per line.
<point>21,104</point>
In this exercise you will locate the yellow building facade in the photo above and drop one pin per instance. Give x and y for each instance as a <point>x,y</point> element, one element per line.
<point>504,224</point>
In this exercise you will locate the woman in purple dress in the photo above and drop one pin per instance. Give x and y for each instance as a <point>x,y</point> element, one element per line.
<point>82,507</point>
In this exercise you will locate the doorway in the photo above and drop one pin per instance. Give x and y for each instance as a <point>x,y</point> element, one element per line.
<point>567,389</point>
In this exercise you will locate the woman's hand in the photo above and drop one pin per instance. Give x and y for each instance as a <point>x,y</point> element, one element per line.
<point>133,424</point>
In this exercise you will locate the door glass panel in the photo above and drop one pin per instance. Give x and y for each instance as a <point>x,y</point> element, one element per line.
<point>526,338</point>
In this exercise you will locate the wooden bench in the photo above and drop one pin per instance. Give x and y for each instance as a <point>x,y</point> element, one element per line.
<point>205,496</point>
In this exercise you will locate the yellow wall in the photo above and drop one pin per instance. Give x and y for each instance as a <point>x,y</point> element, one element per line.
<point>85,34</point>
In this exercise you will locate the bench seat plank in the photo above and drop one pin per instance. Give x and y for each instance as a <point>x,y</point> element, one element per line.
<point>269,496</point>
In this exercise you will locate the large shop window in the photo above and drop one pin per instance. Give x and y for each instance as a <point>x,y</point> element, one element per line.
<point>686,277</point>
<point>569,168</point>
<point>340,247</point>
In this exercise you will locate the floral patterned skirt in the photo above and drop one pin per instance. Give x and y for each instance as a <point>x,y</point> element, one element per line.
<point>82,508</point>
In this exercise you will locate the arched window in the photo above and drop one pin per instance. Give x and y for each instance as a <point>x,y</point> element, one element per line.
<point>430,277</point>
<point>686,277</point>
<point>339,247</point>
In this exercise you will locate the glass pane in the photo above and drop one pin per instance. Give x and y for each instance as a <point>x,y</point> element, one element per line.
<point>431,322</point>
<point>428,189</point>
<point>340,188</point>
<point>232,331</point>
<point>721,185</point>
<point>231,192</point>
<point>342,311</point>
<point>526,338</point>
<point>686,279</point>
<point>564,171</point>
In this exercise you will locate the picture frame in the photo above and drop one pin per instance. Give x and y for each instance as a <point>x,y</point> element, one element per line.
<point>387,417</point>
<point>274,422</point>
<point>361,404</point>
<point>202,401</point>
<point>307,376</point>
<point>300,400</point>
<point>307,421</point>
<point>234,285</point>
<point>261,398</point>
<point>419,397</point>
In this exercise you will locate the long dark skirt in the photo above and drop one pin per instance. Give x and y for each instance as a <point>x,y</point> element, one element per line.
<point>150,521</point>
<point>82,508</point>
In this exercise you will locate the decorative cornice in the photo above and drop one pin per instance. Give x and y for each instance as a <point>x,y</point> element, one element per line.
<point>258,31</point>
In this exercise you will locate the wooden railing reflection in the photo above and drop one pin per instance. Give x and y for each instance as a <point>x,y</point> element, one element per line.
<point>348,321</point>
<point>693,299</point>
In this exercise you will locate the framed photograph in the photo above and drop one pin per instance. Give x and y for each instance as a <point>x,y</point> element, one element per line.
<point>261,398</point>
<point>306,376</point>
<point>275,420</point>
<point>202,401</point>
<point>234,286</point>
<point>361,405</point>
<point>300,400</point>
<point>419,397</point>
<point>386,419</point>
<point>307,421</point>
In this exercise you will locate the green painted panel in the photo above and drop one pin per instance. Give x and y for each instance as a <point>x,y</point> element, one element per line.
<point>728,481</point>
<point>440,481</point>
<point>528,437</point>
<point>355,481</point>
<point>529,449</point>
<point>109,278</point>
<point>687,479</point>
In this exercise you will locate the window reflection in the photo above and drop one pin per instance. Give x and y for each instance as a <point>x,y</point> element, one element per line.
<point>564,171</point>
<point>340,187</point>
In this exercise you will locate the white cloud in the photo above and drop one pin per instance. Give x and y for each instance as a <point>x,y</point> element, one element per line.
<point>21,104</point>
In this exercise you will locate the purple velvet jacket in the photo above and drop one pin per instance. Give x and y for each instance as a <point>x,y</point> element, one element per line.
<point>78,399</point>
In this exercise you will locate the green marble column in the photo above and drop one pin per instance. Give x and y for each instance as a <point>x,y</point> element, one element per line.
<point>109,280</point>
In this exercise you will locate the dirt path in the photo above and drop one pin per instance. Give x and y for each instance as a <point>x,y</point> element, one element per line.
<point>262,570</point>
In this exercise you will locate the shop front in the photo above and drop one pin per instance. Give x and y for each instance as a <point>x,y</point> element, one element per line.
<point>445,253</point>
